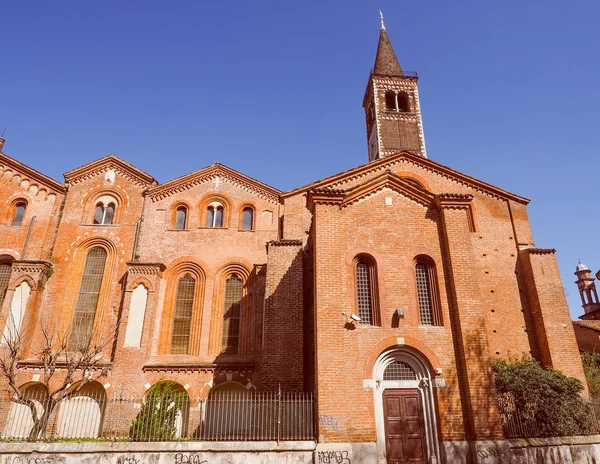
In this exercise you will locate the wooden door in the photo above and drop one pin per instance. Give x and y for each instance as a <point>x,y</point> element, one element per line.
<point>405,439</point>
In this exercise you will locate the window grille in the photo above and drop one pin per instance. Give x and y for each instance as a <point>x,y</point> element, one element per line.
<point>363,287</point>
<point>247,219</point>
<point>182,319</point>
<point>399,370</point>
<point>424,293</point>
<point>5,270</point>
<point>87,302</point>
<point>180,218</point>
<point>231,314</point>
<point>19,214</point>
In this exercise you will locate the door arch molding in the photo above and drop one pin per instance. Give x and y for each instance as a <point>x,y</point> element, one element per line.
<point>422,383</point>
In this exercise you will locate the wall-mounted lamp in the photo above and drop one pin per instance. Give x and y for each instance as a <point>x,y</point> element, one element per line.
<point>351,318</point>
<point>399,313</point>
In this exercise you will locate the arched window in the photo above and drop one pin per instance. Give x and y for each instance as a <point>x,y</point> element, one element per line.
<point>19,214</point>
<point>214,215</point>
<point>366,290</point>
<point>87,301</point>
<point>403,102</point>
<point>429,311</point>
<point>5,271</point>
<point>104,214</point>
<point>182,315</point>
<point>180,218</point>
<point>231,314</point>
<point>248,218</point>
<point>398,370</point>
<point>390,100</point>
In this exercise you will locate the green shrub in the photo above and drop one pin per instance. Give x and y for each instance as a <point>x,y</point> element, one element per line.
<point>544,397</point>
<point>591,367</point>
<point>157,418</point>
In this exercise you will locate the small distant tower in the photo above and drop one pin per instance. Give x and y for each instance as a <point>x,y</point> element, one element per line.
<point>391,106</point>
<point>587,290</point>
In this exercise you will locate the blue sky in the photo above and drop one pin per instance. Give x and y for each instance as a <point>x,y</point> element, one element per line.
<point>509,92</point>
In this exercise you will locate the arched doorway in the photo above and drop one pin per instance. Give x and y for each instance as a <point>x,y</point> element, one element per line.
<point>81,415</point>
<point>226,413</point>
<point>20,421</point>
<point>405,408</point>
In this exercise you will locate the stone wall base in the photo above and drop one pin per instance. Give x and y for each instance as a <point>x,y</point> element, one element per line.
<point>563,450</point>
<point>158,453</point>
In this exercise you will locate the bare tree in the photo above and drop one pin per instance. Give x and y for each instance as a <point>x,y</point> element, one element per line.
<point>68,360</point>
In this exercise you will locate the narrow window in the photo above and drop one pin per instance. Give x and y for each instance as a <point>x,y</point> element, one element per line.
<point>19,213</point>
<point>247,218</point>
<point>5,271</point>
<point>210,217</point>
<point>218,217</point>
<point>403,103</point>
<point>390,100</point>
<point>99,214</point>
<point>104,215</point>
<point>87,302</point>
<point>429,311</point>
<point>180,217</point>
<point>109,213</point>
<point>182,318</point>
<point>363,287</point>
<point>231,314</point>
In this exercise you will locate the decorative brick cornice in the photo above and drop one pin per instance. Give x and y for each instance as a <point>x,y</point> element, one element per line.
<point>34,177</point>
<point>207,174</point>
<point>287,242</point>
<point>146,268</point>
<point>110,162</point>
<point>32,267</point>
<point>392,161</point>
<point>453,201</point>
<point>35,364</point>
<point>245,366</point>
<point>539,251</point>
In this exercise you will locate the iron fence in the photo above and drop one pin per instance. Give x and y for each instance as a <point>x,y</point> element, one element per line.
<point>222,416</point>
<point>521,422</point>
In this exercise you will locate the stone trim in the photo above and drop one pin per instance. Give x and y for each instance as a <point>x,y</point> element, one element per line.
<point>202,367</point>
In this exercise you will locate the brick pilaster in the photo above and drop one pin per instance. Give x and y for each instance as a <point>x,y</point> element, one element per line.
<point>480,410</point>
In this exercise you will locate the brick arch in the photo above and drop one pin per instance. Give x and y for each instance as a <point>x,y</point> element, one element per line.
<point>23,278</point>
<point>90,203</point>
<point>173,213</point>
<point>11,204</point>
<point>392,343</point>
<point>238,377</point>
<point>140,280</point>
<point>175,271</point>
<point>241,208</point>
<point>416,177</point>
<point>242,268</point>
<point>209,198</point>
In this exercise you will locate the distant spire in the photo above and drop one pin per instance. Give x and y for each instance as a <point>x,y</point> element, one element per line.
<point>386,62</point>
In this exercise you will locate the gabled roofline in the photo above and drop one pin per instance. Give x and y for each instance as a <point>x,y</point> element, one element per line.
<point>419,160</point>
<point>32,173</point>
<point>174,185</point>
<point>96,164</point>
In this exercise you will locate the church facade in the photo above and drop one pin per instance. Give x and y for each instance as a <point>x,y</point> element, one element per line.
<point>386,289</point>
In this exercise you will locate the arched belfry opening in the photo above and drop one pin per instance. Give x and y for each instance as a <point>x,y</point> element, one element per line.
<point>405,407</point>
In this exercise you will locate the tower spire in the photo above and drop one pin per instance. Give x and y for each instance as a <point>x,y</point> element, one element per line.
<point>386,62</point>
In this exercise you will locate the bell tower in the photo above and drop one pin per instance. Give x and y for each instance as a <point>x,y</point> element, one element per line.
<point>391,104</point>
